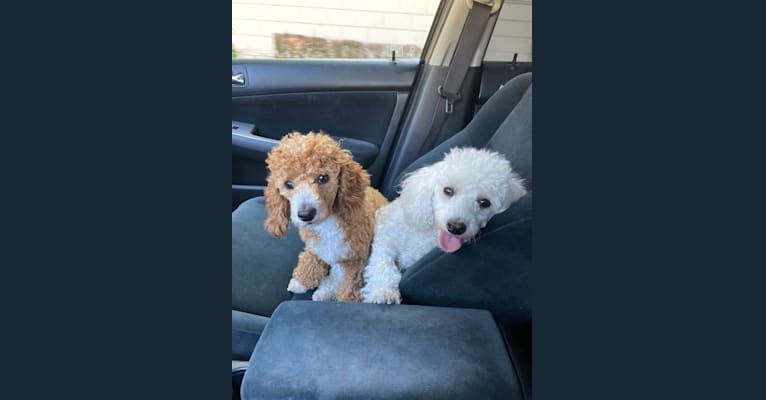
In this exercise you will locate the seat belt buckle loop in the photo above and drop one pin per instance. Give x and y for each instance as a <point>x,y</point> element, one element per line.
<point>449,99</point>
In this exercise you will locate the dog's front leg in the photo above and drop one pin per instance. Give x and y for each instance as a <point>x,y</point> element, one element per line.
<point>353,280</point>
<point>308,274</point>
<point>329,285</point>
<point>382,278</point>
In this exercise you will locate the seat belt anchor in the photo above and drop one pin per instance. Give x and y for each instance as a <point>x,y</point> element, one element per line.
<point>449,99</point>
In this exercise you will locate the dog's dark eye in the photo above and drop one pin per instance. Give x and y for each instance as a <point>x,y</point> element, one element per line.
<point>289,184</point>
<point>484,203</point>
<point>322,179</point>
<point>449,191</point>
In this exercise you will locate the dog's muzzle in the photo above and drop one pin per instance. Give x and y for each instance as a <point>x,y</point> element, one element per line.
<point>307,214</point>
<point>456,228</point>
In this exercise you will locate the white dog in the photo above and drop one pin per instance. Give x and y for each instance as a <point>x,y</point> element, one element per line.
<point>444,204</point>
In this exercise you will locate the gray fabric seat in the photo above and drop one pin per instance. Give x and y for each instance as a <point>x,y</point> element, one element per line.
<point>503,124</point>
<point>331,350</point>
<point>492,273</point>
<point>246,328</point>
<point>261,267</point>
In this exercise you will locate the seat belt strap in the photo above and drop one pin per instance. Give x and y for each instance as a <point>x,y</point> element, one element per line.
<point>473,30</point>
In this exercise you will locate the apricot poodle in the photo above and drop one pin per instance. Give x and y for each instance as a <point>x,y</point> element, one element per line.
<point>327,195</point>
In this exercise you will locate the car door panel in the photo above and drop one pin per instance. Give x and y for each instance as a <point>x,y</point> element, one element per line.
<point>294,76</point>
<point>359,103</point>
<point>249,153</point>
<point>337,113</point>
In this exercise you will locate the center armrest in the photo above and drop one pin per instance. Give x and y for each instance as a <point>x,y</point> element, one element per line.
<point>369,351</point>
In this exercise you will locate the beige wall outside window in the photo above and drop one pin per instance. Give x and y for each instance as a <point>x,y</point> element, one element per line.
<point>513,33</point>
<point>269,29</point>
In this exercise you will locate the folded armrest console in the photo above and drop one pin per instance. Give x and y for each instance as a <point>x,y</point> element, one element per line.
<point>329,350</point>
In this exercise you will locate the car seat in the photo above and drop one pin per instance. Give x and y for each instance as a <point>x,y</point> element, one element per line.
<point>492,273</point>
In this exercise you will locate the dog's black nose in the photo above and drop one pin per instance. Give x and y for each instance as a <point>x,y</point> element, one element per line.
<point>456,228</point>
<point>307,214</point>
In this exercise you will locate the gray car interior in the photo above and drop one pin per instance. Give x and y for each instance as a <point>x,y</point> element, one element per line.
<point>360,104</point>
<point>465,328</point>
<point>364,351</point>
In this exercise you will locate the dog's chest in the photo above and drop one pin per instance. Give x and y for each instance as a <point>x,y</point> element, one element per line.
<point>328,241</point>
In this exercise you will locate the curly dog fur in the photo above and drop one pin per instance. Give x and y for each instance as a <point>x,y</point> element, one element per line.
<point>445,205</point>
<point>327,195</point>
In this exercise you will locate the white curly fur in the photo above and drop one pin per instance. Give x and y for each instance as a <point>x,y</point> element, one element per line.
<point>409,227</point>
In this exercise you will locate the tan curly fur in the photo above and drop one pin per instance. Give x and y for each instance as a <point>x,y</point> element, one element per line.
<point>347,195</point>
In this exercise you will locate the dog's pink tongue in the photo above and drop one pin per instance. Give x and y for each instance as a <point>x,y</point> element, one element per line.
<point>449,243</point>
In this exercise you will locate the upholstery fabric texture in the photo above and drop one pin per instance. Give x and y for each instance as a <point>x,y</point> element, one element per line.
<point>245,331</point>
<point>330,350</point>
<point>261,266</point>
<point>486,125</point>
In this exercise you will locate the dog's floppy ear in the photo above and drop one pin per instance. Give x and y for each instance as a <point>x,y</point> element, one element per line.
<point>352,182</point>
<point>278,209</point>
<point>514,191</point>
<point>417,196</point>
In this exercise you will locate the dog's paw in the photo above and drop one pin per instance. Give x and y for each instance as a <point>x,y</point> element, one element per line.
<point>382,296</point>
<point>323,295</point>
<point>295,287</point>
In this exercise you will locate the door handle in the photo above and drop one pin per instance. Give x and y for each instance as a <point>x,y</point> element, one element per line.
<point>238,79</point>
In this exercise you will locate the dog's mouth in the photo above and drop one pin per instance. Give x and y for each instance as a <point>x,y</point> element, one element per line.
<point>449,243</point>
<point>307,224</point>
<point>303,224</point>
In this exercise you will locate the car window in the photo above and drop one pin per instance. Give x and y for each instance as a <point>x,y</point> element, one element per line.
<point>513,33</point>
<point>269,29</point>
